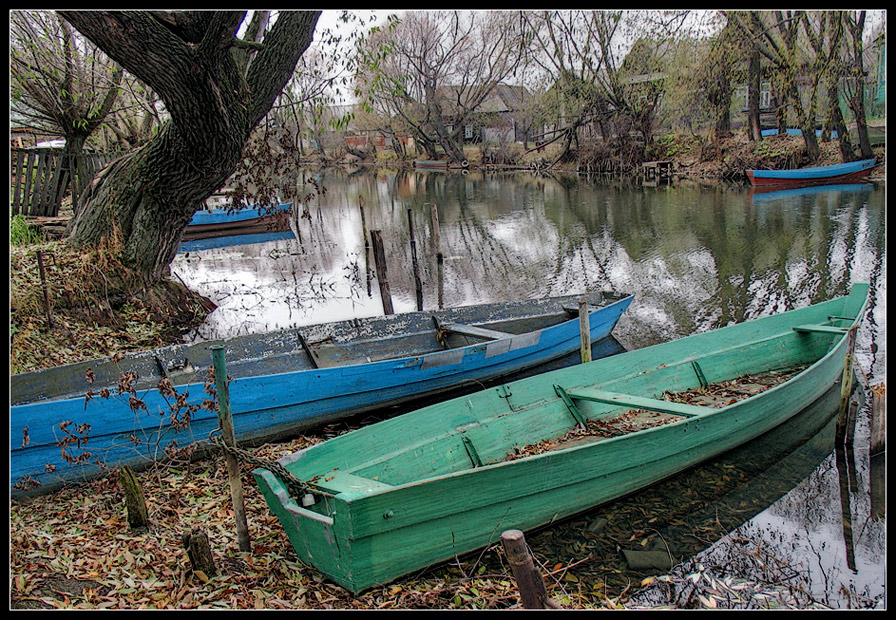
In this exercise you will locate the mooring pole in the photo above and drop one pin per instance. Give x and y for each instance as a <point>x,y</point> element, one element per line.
<point>418,285</point>
<point>225,421</point>
<point>585,330</point>
<point>366,244</point>
<point>379,260</point>
<point>440,259</point>
<point>878,418</point>
<point>846,385</point>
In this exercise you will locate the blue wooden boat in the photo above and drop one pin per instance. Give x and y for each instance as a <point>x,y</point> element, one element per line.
<point>837,173</point>
<point>282,382</point>
<point>208,223</point>
<point>210,243</point>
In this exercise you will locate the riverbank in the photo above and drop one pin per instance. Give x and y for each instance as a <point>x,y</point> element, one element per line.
<point>692,158</point>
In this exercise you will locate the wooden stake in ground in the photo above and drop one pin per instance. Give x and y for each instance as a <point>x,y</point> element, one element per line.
<point>533,594</point>
<point>225,420</point>
<point>199,552</point>
<point>138,515</point>
<point>43,282</point>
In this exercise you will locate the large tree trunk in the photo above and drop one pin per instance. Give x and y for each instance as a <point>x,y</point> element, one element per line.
<point>215,94</point>
<point>143,201</point>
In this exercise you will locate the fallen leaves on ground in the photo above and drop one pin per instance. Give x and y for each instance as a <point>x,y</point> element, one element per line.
<point>73,550</point>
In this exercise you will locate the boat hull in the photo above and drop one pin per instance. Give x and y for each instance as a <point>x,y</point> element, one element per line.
<point>380,516</point>
<point>818,175</point>
<point>282,383</point>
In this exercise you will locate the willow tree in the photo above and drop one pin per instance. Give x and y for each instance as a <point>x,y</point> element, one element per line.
<point>216,86</point>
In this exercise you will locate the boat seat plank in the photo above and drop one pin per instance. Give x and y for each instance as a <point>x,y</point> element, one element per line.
<point>573,311</point>
<point>823,329</point>
<point>627,400</point>
<point>478,332</point>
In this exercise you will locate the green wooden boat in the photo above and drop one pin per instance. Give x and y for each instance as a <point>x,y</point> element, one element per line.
<point>372,505</point>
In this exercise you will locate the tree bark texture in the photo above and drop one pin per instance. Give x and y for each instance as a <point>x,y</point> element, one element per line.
<point>215,92</point>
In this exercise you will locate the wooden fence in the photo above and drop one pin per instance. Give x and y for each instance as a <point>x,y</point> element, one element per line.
<point>40,178</point>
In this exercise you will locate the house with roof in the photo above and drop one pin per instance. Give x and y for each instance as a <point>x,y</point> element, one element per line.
<point>503,116</point>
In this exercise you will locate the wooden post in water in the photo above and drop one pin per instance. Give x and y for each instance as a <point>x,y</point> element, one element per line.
<point>846,384</point>
<point>379,261</point>
<point>878,418</point>
<point>225,421</point>
<point>418,285</point>
<point>533,594</point>
<point>878,452</point>
<point>366,244</point>
<point>437,244</point>
<point>584,331</point>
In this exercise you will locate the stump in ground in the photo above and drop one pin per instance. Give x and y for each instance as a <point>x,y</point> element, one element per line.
<point>138,515</point>
<point>199,552</point>
<point>533,594</point>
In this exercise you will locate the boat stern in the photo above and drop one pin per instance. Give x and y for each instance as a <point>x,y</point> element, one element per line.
<point>311,530</point>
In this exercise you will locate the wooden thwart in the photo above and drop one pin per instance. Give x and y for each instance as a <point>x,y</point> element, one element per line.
<point>627,400</point>
<point>477,332</point>
<point>823,329</point>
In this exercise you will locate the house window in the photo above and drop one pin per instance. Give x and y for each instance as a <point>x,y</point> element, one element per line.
<point>468,132</point>
<point>765,96</point>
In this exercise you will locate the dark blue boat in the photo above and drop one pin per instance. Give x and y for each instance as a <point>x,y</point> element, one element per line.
<point>282,382</point>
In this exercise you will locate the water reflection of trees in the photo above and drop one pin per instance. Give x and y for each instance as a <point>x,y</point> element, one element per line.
<point>696,258</point>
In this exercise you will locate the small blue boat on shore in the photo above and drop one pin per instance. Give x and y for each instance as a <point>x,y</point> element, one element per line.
<point>282,382</point>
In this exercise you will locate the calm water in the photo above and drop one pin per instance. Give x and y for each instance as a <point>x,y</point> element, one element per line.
<point>696,258</point>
